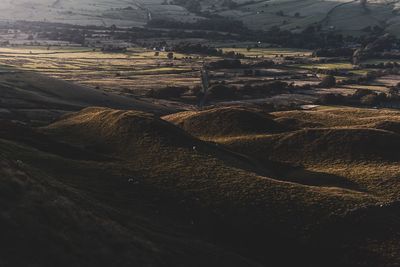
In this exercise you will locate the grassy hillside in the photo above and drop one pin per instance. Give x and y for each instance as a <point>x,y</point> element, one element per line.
<point>154,187</point>
<point>346,16</point>
<point>50,222</point>
<point>38,99</point>
<point>345,146</point>
<point>225,121</point>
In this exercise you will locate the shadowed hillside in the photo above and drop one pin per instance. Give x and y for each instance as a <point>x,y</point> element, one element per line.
<point>326,145</point>
<point>38,99</point>
<point>51,223</point>
<point>148,170</point>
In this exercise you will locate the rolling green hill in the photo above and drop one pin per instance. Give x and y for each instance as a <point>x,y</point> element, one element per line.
<point>346,16</point>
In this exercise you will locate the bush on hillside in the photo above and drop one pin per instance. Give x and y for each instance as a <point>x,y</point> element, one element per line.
<point>373,99</point>
<point>226,64</point>
<point>167,92</point>
<point>221,92</point>
<point>331,99</point>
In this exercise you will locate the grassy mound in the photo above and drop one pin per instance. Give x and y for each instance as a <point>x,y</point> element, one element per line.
<point>119,132</point>
<point>227,121</point>
<point>340,117</point>
<point>340,144</point>
<point>296,124</point>
<point>317,145</point>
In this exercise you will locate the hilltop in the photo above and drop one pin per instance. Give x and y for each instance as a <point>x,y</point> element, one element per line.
<point>225,122</point>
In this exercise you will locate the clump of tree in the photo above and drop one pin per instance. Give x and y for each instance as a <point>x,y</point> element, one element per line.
<point>367,97</point>
<point>229,4</point>
<point>190,48</point>
<point>193,6</point>
<point>225,64</point>
<point>170,55</point>
<point>263,64</point>
<point>328,81</point>
<point>361,97</point>
<point>209,24</point>
<point>334,52</point>
<point>221,92</point>
<point>169,92</point>
<point>76,36</point>
<point>196,48</point>
<point>331,99</point>
<point>363,80</point>
<point>264,90</point>
<point>381,65</point>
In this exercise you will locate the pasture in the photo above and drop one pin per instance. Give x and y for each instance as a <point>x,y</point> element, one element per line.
<point>135,71</point>
<point>138,70</point>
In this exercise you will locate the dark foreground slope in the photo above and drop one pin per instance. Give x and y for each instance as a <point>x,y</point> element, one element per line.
<point>48,223</point>
<point>144,192</point>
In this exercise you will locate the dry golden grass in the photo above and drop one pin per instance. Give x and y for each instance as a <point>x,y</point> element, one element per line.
<point>341,117</point>
<point>135,71</point>
<point>360,145</point>
<point>223,122</point>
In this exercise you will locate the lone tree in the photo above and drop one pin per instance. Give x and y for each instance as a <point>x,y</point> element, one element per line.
<point>328,81</point>
<point>170,55</point>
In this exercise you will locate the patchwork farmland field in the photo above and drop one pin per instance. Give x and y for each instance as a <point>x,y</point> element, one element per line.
<point>135,72</point>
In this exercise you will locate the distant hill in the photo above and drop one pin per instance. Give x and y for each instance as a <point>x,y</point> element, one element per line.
<point>352,17</point>
<point>36,99</point>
